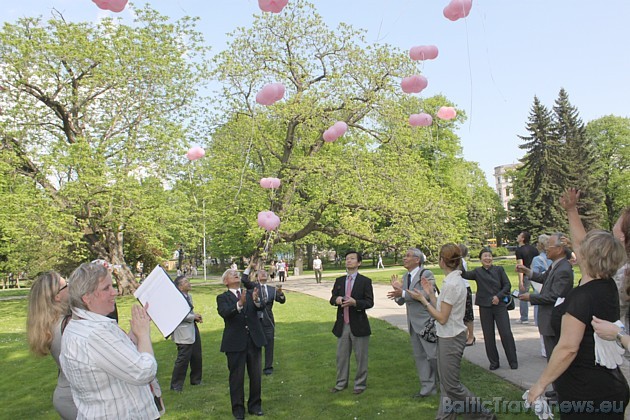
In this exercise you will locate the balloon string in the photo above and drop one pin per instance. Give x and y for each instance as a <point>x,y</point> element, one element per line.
<point>191,183</point>
<point>469,71</point>
<point>249,148</point>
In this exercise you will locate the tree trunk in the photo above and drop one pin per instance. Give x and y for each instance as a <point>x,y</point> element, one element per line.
<point>309,256</point>
<point>298,267</point>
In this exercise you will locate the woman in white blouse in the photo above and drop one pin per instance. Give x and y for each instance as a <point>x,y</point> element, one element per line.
<point>448,311</point>
<point>109,371</point>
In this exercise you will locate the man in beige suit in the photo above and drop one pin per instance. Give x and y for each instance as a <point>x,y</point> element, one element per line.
<point>188,341</point>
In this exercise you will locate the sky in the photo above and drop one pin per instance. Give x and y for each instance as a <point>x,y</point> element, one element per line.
<point>491,64</point>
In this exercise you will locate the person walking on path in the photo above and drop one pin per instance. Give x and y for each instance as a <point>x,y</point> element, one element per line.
<point>317,268</point>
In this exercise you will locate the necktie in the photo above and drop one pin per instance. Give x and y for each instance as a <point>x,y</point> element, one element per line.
<point>238,294</point>
<point>264,293</point>
<point>408,280</point>
<point>346,310</point>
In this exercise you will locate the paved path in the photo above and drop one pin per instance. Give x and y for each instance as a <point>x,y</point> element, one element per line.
<point>531,363</point>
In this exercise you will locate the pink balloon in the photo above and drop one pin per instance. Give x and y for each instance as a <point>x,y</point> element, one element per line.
<point>270,182</point>
<point>446,113</point>
<point>273,6</point>
<point>337,130</point>
<point>420,120</point>
<point>457,9</point>
<point>195,153</point>
<point>268,220</point>
<point>414,84</point>
<point>423,52</point>
<point>113,5</point>
<point>270,94</point>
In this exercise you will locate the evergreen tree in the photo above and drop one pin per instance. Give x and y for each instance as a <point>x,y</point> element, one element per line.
<point>579,158</point>
<point>540,180</point>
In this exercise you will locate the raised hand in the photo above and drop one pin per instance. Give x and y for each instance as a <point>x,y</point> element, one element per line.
<point>570,198</point>
<point>243,298</point>
<point>397,285</point>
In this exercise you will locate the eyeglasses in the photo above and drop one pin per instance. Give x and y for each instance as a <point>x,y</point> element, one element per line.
<point>62,287</point>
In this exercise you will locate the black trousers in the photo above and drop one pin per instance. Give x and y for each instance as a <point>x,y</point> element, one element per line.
<point>497,314</point>
<point>269,335</point>
<point>188,354</point>
<point>237,361</point>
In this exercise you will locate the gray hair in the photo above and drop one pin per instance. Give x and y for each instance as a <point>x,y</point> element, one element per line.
<point>84,280</point>
<point>227,273</point>
<point>543,241</point>
<point>564,241</point>
<point>417,253</point>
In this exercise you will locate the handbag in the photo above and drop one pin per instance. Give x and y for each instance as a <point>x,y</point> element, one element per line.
<point>428,333</point>
<point>509,302</point>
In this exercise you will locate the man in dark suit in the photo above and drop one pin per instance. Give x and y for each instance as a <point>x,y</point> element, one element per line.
<point>269,295</point>
<point>352,294</point>
<point>557,281</point>
<point>243,337</point>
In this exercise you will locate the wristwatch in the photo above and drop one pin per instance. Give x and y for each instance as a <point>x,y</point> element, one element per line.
<point>622,333</point>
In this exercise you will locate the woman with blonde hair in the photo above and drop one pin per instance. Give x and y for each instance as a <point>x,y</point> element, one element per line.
<point>572,368</point>
<point>48,313</point>
<point>448,310</point>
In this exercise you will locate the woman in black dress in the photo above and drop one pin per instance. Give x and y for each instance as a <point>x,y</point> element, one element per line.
<point>586,389</point>
<point>493,288</point>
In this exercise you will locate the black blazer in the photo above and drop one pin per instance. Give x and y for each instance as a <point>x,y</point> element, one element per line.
<point>491,282</point>
<point>273,296</point>
<point>363,293</point>
<point>238,325</point>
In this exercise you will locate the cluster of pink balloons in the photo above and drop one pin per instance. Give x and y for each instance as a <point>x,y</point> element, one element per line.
<point>268,220</point>
<point>195,153</point>
<point>423,52</point>
<point>414,84</point>
<point>457,9</point>
<point>420,120</point>
<point>113,5</point>
<point>273,6</point>
<point>446,113</point>
<point>270,94</point>
<point>337,130</point>
<point>270,182</point>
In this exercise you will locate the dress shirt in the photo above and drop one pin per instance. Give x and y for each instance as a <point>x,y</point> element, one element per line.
<point>238,303</point>
<point>409,276</point>
<point>109,376</point>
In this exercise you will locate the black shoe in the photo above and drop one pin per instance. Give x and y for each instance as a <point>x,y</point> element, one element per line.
<point>256,413</point>
<point>514,366</point>
<point>334,390</point>
<point>176,389</point>
<point>493,367</point>
<point>268,371</point>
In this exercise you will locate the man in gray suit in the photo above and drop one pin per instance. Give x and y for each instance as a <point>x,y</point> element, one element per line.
<point>424,352</point>
<point>557,281</point>
<point>188,341</point>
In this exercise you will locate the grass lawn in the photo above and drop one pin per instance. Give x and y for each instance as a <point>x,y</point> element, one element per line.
<point>304,369</point>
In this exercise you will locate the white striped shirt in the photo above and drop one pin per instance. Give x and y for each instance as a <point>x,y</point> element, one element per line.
<point>109,377</point>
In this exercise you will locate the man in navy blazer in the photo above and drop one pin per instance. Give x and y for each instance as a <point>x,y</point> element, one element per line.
<point>243,338</point>
<point>353,295</point>
<point>269,295</point>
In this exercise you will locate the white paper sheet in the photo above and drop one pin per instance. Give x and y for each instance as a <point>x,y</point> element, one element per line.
<point>537,286</point>
<point>167,306</point>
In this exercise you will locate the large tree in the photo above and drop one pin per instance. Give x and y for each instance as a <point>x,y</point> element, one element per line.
<point>94,114</point>
<point>611,138</point>
<point>541,179</point>
<point>383,183</point>
<point>580,159</point>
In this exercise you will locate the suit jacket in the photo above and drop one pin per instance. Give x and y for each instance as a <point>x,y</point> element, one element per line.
<point>363,293</point>
<point>417,314</point>
<point>185,332</point>
<point>240,325</point>
<point>557,282</point>
<point>272,296</point>
<point>490,282</point>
